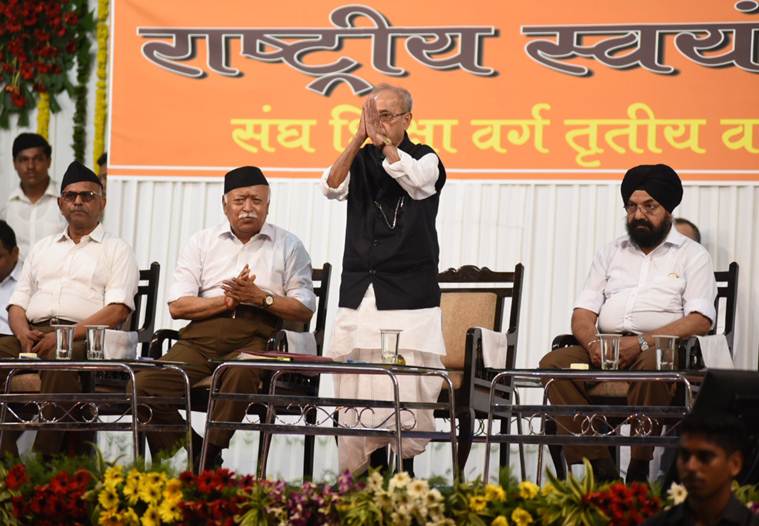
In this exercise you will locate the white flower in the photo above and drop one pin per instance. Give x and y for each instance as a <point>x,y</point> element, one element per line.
<point>374,481</point>
<point>399,480</point>
<point>677,493</point>
<point>418,489</point>
<point>434,497</point>
<point>382,499</point>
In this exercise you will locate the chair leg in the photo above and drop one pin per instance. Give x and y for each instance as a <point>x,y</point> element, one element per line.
<point>308,450</point>
<point>466,433</point>
<point>556,450</point>
<point>504,449</point>
<point>264,443</point>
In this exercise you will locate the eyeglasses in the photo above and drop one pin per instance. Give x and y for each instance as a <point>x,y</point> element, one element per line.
<point>386,116</point>
<point>646,208</point>
<point>86,197</point>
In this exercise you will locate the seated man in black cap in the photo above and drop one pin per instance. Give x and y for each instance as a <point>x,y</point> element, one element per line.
<point>31,210</point>
<point>235,282</point>
<point>651,281</point>
<point>81,276</point>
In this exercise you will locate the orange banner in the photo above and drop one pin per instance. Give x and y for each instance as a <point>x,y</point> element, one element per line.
<point>519,89</point>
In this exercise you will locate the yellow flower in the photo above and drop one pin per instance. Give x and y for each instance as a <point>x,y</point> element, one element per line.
<point>110,518</point>
<point>528,490</point>
<point>500,521</point>
<point>173,488</point>
<point>113,477</point>
<point>108,499</point>
<point>478,503</point>
<point>130,491</point>
<point>131,518</point>
<point>495,492</point>
<point>547,489</point>
<point>521,517</point>
<point>150,517</point>
<point>150,493</point>
<point>169,510</point>
<point>154,478</point>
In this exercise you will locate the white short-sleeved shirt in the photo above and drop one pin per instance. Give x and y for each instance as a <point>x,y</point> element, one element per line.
<point>634,292</point>
<point>276,257</point>
<point>73,281</point>
<point>7,286</point>
<point>33,221</point>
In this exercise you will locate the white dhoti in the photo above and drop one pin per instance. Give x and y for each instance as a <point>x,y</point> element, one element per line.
<point>356,337</point>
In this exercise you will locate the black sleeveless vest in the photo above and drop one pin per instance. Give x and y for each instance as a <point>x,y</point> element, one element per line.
<point>401,262</point>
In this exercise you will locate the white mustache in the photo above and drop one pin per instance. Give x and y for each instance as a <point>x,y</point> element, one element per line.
<point>247,215</point>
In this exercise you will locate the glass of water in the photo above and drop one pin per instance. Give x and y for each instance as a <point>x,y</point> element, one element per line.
<point>64,341</point>
<point>609,344</point>
<point>666,351</point>
<point>96,342</point>
<point>389,345</point>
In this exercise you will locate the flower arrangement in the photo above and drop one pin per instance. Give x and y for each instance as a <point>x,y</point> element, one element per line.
<point>96,494</point>
<point>101,105</point>
<point>39,43</point>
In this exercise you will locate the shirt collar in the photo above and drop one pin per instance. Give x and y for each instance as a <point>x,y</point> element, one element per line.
<point>19,195</point>
<point>225,230</point>
<point>15,273</point>
<point>96,235</point>
<point>674,237</point>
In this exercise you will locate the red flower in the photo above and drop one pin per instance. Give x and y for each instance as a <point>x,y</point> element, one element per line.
<point>18,100</point>
<point>16,477</point>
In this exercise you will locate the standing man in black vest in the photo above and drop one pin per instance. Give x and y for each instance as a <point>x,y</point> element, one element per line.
<point>390,265</point>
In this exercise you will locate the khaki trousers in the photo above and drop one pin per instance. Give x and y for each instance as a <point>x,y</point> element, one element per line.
<point>49,442</point>
<point>200,341</point>
<point>574,392</point>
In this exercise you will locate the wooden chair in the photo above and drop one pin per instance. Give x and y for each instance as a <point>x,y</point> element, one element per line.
<point>689,356</point>
<point>289,384</point>
<point>472,298</point>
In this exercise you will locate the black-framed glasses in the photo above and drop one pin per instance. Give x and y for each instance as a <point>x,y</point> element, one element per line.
<point>86,197</point>
<point>646,208</point>
<point>386,116</point>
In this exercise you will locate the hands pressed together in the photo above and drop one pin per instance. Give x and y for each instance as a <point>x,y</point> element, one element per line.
<point>370,127</point>
<point>242,289</point>
<point>37,342</point>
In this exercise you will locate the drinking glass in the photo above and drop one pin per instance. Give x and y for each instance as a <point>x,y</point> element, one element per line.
<point>666,349</point>
<point>389,345</point>
<point>64,341</point>
<point>609,344</point>
<point>96,342</point>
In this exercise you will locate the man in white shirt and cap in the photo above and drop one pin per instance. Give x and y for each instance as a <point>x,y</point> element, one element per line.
<point>651,281</point>
<point>235,283</point>
<point>390,266</point>
<point>10,271</point>
<point>32,209</point>
<point>81,276</point>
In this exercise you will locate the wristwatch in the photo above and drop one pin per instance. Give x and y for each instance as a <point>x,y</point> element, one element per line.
<point>642,342</point>
<point>268,301</point>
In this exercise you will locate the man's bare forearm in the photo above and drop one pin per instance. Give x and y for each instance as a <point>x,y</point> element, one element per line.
<point>196,308</point>
<point>584,326</point>
<point>112,315</point>
<point>694,324</point>
<point>342,165</point>
<point>17,320</point>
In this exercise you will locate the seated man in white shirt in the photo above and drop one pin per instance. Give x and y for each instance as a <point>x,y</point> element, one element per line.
<point>235,282</point>
<point>81,276</point>
<point>390,265</point>
<point>651,281</point>
<point>32,209</point>
<point>10,270</point>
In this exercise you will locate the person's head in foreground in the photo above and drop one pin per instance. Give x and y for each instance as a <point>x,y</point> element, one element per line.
<point>649,194</point>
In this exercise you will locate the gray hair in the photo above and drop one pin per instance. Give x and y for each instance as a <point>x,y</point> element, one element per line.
<point>403,94</point>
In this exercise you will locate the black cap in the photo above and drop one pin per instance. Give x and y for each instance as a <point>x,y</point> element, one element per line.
<point>659,180</point>
<point>77,173</point>
<point>244,176</point>
<point>30,140</point>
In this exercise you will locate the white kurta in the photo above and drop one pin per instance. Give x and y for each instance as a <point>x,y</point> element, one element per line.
<point>356,337</point>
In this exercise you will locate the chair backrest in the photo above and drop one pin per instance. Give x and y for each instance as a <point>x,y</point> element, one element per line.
<point>727,294</point>
<point>475,297</point>
<point>143,317</point>
<point>321,280</point>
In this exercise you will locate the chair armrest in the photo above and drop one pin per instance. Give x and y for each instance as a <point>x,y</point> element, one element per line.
<point>689,355</point>
<point>159,337</point>
<point>564,340</point>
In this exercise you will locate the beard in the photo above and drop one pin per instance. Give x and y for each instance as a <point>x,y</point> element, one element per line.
<point>645,234</point>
